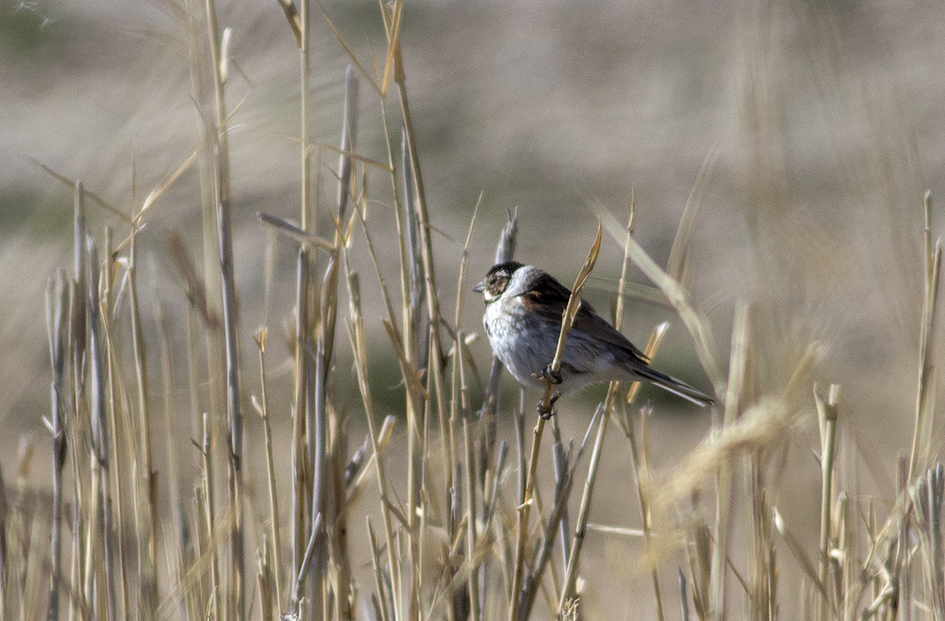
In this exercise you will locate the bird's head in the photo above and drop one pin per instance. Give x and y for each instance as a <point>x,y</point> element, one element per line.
<point>497,280</point>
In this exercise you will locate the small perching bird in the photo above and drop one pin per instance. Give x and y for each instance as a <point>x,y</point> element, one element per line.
<point>524,307</point>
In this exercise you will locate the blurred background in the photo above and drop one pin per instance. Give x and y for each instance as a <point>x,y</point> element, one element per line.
<point>805,133</point>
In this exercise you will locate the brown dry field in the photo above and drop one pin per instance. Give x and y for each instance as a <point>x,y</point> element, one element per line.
<point>820,125</point>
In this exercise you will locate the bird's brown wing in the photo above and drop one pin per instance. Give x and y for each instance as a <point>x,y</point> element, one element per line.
<point>547,298</point>
<point>596,327</point>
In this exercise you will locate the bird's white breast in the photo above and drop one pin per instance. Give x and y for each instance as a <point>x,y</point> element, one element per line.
<point>524,343</point>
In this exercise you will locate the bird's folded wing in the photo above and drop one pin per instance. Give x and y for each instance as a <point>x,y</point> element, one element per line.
<point>547,298</point>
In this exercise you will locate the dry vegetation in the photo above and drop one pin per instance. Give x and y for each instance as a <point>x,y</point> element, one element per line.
<point>438,513</point>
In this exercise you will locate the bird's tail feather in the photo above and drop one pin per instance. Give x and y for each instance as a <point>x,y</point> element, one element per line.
<point>677,387</point>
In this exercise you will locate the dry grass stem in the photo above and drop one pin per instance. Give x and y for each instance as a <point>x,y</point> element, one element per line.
<point>925,394</point>
<point>695,322</point>
<point>574,303</point>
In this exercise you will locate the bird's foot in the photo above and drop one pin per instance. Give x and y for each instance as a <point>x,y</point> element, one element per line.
<point>546,412</point>
<point>550,375</point>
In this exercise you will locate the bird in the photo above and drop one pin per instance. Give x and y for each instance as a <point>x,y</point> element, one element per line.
<point>523,311</point>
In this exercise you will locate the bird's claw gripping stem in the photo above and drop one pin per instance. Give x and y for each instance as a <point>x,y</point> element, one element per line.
<point>550,375</point>
<point>545,412</point>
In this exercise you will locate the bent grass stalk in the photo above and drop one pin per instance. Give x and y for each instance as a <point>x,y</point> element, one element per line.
<point>544,408</point>
<point>567,592</point>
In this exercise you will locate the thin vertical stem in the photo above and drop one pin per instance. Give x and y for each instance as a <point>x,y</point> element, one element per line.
<point>415,407</point>
<point>77,339</point>
<point>522,522</point>
<point>176,552</point>
<point>926,388</point>
<point>146,518</point>
<point>545,412</point>
<point>300,462</point>
<point>210,517</point>
<point>222,199</point>
<point>359,349</point>
<point>827,411</point>
<point>117,457</point>
<point>584,512</point>
<point>567,589</point>
<point>733,400</point>
<point>57,313</point>
<point>471,478</point>
<point>100,437</point>
<point>264,581</point>
<point>263,409</point>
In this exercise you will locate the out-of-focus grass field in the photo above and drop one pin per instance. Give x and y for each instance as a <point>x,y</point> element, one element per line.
<point>803,135</point>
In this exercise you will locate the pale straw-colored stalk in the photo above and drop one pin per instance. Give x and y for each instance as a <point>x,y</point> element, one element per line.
<point>545,411</point>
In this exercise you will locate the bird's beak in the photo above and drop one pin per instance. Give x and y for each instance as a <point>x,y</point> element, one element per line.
<point>480,287</point>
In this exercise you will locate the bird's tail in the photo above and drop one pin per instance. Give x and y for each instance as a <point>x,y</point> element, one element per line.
<point>673,385</point>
